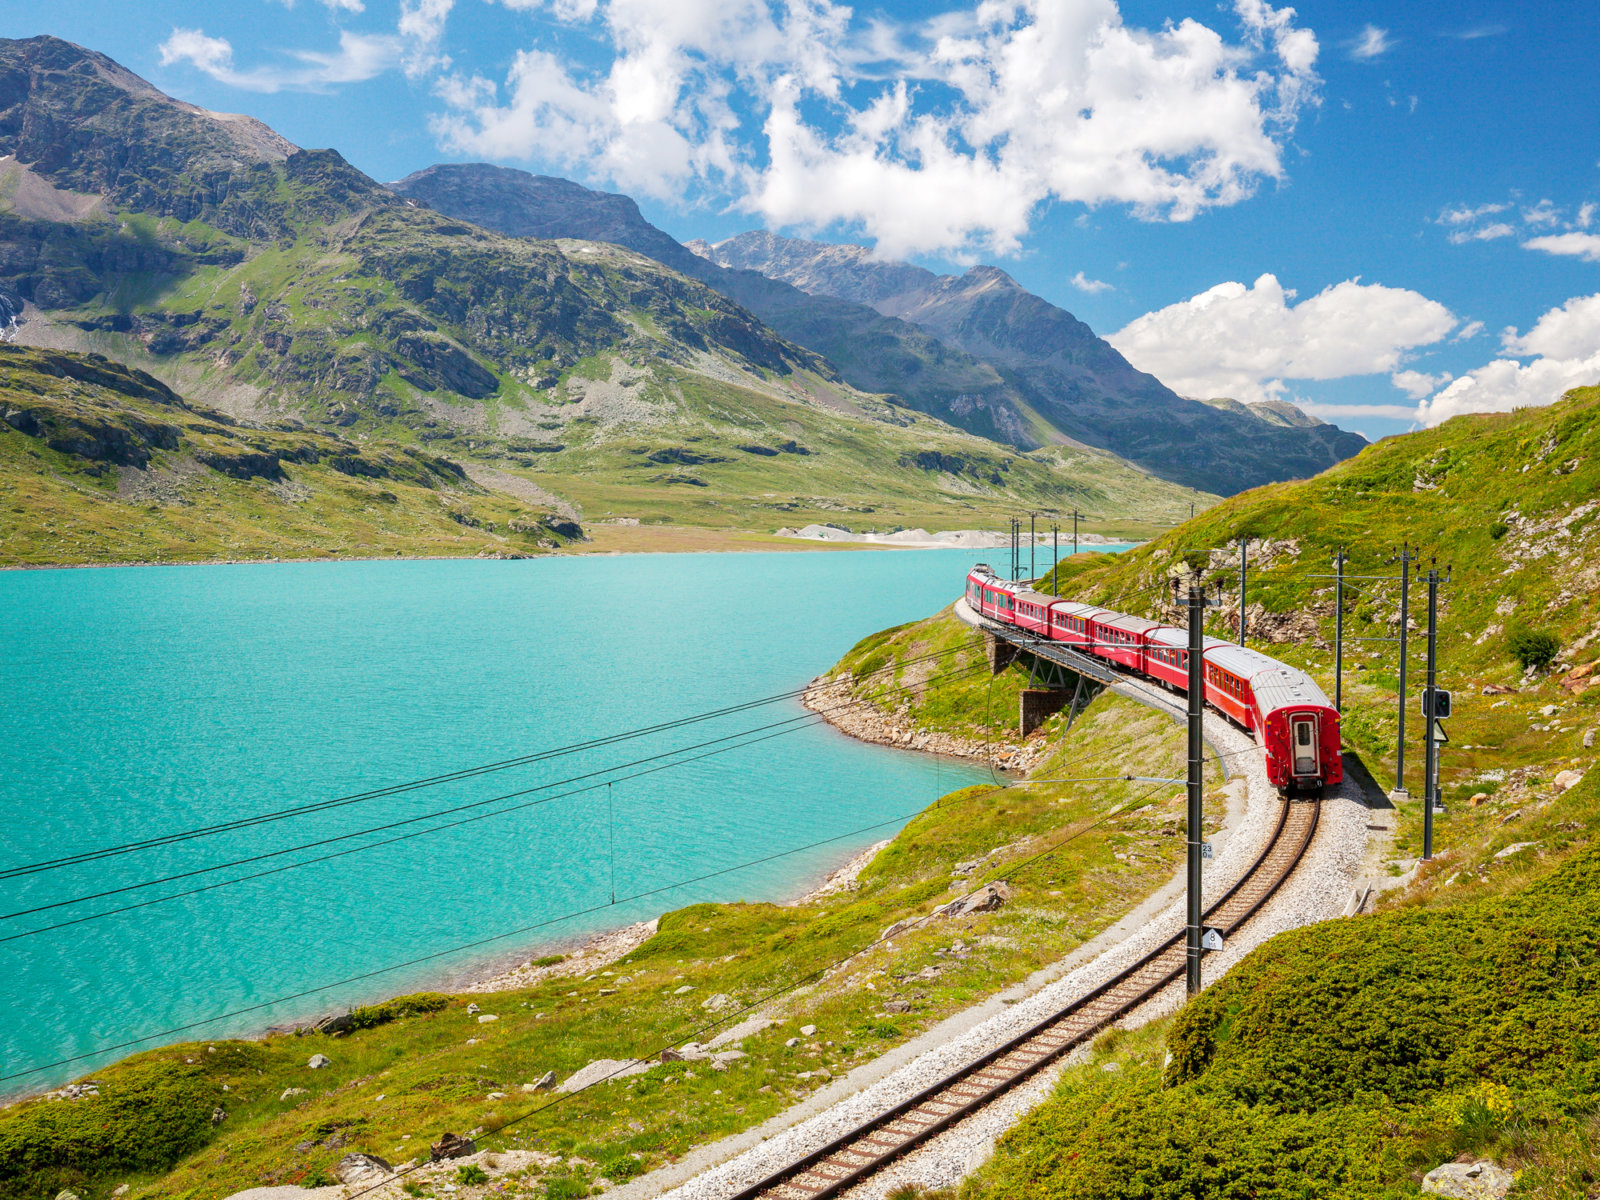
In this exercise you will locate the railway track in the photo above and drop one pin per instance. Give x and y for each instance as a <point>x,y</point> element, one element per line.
<point>848,1159</point>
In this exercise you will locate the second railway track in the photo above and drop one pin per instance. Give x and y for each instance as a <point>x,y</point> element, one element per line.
<point>848,1159</point>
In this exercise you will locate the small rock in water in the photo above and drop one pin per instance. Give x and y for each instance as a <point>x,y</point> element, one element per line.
<point>451,1146</point>
<point>318,1061</point>
<point>1481,1180</point>
<point>361,1168</point>
<point>808,1031</point>
<point>287,1092</point>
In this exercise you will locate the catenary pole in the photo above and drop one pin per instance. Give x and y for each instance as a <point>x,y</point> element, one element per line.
<point>1405,620</point>
<point>1033,543</point>
<point>1196,766</point>
<point>1338,631</point>
<point>1074,531</point>
<point>1430,762</point>
<point>1242,569</point>
<point>1055,551</point>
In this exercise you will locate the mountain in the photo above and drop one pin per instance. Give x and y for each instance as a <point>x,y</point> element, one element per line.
<point>1077,382</point>
<point>283,287</point>
<point>873,353</point>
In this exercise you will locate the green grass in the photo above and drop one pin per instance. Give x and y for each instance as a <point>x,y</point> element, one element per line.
<point>1076,857</point>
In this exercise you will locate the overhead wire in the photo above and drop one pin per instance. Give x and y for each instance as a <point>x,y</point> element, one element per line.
<point>429,781</point>
<point>788,725</point>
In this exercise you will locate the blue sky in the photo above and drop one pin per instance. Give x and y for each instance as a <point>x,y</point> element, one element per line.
<point>1385,213</point>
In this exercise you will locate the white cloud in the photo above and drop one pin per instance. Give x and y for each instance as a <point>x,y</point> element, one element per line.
<point>938,135</point>
<point>1575,245</point>
<point>1484,233</point>
<point>1245,341</point>
<point>352,6</point>
<point>1091,286</point>
<point>1566,344</point>
<point>1419,385</point>
<point>1371,43</point>
<point>1468,331</point>
<point>359,57</point>
<point>1465,216</point>
<point>1336,412</point>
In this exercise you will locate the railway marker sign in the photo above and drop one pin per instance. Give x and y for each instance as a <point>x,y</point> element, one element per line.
<point>1205,851</point>
<point>1211,939</point>
<point>1438,732</point>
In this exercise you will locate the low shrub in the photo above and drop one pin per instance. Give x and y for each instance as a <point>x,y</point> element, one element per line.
<point>1533,647</point>
<point>1498,530</point>
<point>370,1015</point>
<point>471,1175</point>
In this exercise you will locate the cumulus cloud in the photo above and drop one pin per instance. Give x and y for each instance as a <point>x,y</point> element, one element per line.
<point>1574,245</point>
<point>939,135</point>
<point>1370,44</point>
<point>359,57</point>
<point>1245,342</point>
<point>1484,233</point>
<point>1419,385</point>
<point>1564,345</point>
<point>1090,286</point>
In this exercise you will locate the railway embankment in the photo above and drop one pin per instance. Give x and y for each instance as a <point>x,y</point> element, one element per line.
<point>1317,889</point>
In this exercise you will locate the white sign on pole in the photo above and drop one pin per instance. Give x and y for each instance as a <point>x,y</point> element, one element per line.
<point>1211,939</point>
<point>1205,851</point>
<point>1438,732</point>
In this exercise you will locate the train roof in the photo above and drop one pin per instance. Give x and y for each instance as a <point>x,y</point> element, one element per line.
<point>1131,624</point>
<point>1287,687</point>
<point>1172,635</point>
<point>1240,660</point>
<point>1033,597</point>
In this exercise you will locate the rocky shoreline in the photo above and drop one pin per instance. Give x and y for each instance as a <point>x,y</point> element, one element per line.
<point>835,701</point>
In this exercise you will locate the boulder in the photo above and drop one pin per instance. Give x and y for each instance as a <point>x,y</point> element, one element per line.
<point>748,1027</point>
<point>986,899</point>
<point>897,929</point>
<point>1481,1180</point>
<point>451,1146</point>
<point>717,1002</point>
<point>471,1009</point>
<point>1549,710</point>
<point>288,1092</point>
<point>66,1195</point>
<point>603,1070</point>
<point>1495,689</point>
<point>1568,779</point>
<point>545,1082</point>
<point>726,1057</point>
<point>897,1006</point>
<point>808,1031</point>
<point>485,1018</point>
<point>688,1052</point>
<point>318,1061</point>
<point>355,1169</point>
<point>1588,740</point>
<point>1478,798</point>
<point>342,1023</point>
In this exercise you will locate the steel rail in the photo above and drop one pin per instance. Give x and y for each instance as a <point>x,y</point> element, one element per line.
<point>875,1143</point>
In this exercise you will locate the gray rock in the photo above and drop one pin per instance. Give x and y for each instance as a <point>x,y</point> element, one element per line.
<point>1588,740</point>
<point>545,1082</point>
<point>1566,780</point>
<point>218,1114</point>
<point>897,928</point>
<point>66,1195</point>
<point>121,1190</point>
<point>485,1018</point>
<point>343,1023</point>
<point>471,1009</point>
<point>717,1002</point>
<point>1481,1180</point>
<point>728,1056</point>
<point>288,1092</point>
<point>808,1031</point>
<point>792,1043</point>
<point>897,1006</point>
<point>451,1146</point>
<point>355,1169</point>
<point>986,899</point>
<point>749,1027</point>
<point>318,1061</point>
<point>603,1069</point>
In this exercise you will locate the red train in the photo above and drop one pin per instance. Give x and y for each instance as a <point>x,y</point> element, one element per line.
<point>1291,716</point>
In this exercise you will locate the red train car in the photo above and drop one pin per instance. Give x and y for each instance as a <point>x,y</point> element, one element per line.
<point>1120,639</point>
<point>990,595</point>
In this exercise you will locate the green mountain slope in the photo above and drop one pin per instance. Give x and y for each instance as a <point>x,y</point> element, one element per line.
<point>290,287</point>
<point>102,464</point>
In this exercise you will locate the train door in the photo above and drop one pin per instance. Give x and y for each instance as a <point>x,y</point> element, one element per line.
<point>1303,744</point>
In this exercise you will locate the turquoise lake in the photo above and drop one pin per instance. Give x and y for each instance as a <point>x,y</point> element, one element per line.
<point>145,701</point>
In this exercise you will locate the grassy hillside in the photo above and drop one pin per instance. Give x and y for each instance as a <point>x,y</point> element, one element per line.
<point>1349,1058</point>
<point>99,463</point>
<point>1075,857</point>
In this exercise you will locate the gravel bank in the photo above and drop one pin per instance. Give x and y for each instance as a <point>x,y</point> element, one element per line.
<point>1320,889</point>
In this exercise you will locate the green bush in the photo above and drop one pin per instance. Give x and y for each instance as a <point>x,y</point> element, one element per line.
<point>564,1187</point>
<point>147,1116</point>
<point>1498,530</point>
<point>472,1174</point>
<point>370,1015</point>
<point>1533,647</point>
